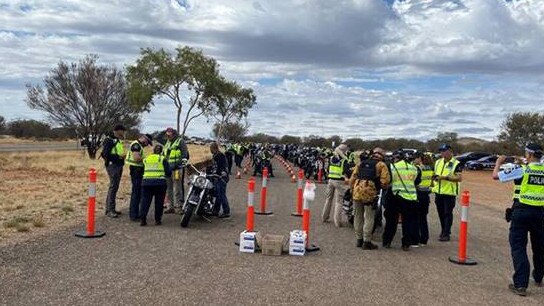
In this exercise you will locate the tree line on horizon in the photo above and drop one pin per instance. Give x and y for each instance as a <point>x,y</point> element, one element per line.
<point>516,130</point>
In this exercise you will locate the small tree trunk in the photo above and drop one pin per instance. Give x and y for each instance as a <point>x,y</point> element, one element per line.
<point>91,150</point>
<point>219,132</point>
<point>179,119</point>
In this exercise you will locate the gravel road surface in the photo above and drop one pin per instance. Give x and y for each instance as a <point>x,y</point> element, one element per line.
<point>168,265</point>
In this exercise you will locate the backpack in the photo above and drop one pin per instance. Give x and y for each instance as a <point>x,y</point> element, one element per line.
<point>365,187</point>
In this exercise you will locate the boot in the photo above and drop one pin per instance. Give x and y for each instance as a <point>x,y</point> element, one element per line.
<point>369,246</point>
<point>359,243</point>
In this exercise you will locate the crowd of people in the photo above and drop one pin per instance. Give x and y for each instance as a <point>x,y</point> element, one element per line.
<point>363,189</point>
<point>157,176</point>
<point>397,188</point>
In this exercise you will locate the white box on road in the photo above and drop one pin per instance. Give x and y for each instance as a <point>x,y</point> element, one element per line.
<point>248,242</point>
<point>297,243</point>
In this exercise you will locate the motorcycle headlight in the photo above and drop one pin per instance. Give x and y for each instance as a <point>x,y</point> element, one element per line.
<point>200,182</point>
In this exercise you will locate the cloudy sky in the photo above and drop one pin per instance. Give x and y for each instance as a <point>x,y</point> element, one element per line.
<point>365,68</point>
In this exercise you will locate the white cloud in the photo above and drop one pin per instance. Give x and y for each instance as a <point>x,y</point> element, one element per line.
<point>313,63</point>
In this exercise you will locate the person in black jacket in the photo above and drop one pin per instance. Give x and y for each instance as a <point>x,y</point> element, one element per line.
<point>113,153</point>
<point>220,183</point>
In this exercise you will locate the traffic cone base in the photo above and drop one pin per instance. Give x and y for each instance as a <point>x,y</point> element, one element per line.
<point>466,262</point>
<point>84,234</point>
<point>312,248</point>
<point>295,214</point>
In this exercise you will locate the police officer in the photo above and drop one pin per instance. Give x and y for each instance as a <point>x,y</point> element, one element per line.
<point>229,154</point>
<point>425,164</point>
<point>156,171</point>
<point>404,179</point>
<point>135,160</point>
<point>113,153</point>
<point>446,188</point>
<point>177,155</point>
<point>338,179</point>
<point>526,216</point>
<point>267,159</point>
<point>239,155</point>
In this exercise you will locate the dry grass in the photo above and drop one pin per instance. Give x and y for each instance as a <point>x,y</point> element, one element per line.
<point>9,140</point>
<point>49,189</point>
<point>38,221</point>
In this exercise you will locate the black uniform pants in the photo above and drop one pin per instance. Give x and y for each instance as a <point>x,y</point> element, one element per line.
<point>408,210</point>
<point>136,177</point>
<point>238,160</point>
<point>148,193</point>
<point>423,198</point>
<point>115,172</point>
<point>391,214</point>
<point>445,205</point>
<point>527,220</point>
<point>228,155</point>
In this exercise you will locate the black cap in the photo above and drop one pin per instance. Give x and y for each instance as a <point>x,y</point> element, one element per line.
<point>119,127</point>
<point>444,147</point>
<point>149,139</point>
<point>533,148</point>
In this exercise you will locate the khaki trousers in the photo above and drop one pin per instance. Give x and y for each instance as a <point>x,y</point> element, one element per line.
<point>174,190</point>
<point>363,222</point>
<point>335,193</point>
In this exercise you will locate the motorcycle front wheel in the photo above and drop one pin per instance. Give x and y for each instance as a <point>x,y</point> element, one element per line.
<point>187,215</point>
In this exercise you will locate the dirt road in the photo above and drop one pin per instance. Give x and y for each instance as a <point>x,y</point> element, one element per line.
<point>167,265</point>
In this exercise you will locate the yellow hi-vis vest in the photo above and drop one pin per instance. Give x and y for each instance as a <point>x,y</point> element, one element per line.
<point>336,169</point>
<point>427,173</point>
<point>130,155</point>
<point>517,186</point>
<point>532,185</point>
<point>153,167</point>
<point>403,176</point>
<point>118,148</point>
<point>443,168</point>
<point>239,149</point>
<point>174,148</point>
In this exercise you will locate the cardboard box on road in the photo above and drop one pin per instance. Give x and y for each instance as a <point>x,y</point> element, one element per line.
<point>272,245</point>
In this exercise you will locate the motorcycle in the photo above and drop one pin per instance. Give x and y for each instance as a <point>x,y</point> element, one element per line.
<point>260,164</point>
<point>200,198</point>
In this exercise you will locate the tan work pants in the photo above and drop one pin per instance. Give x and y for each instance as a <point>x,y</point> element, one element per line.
<point>363,221</point>
<point>335,193</point>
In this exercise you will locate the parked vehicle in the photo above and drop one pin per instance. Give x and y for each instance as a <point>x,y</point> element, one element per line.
<point>469,156</point>
<point>200,198</point>
<point>487,162</point>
